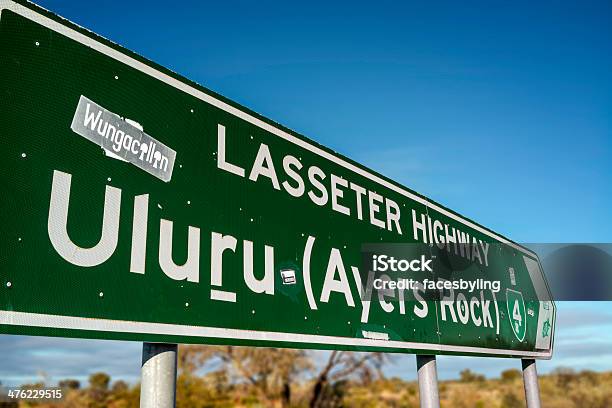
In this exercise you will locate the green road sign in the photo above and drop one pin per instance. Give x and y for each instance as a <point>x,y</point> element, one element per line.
<point>138,205</point>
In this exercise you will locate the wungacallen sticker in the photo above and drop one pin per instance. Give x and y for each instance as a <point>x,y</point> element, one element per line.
<point>122,139</point>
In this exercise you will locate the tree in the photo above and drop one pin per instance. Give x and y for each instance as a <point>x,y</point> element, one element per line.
<point>269,371</point>
<point>69,384</point>
<point>119,387</point>
<point>510,375</point>
<point>342,365</point>
<point>468,376</point>
<point>98,389</point>
<point>121,396</point>
<point>99,381</point>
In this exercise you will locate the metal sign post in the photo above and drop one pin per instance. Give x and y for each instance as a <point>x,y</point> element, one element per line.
<point>428,381</point>
<point>530,379</point>
<point>158,375</point>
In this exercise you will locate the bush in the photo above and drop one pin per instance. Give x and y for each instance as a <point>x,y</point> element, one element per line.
<point>468,376</point>
<point>69,384</point>
<point>565,376</point>
<point>589,376</point>
<point>510,400</point>
<point>510,375</point>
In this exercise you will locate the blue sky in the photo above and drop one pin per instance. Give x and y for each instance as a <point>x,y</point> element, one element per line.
<point>499,111</point>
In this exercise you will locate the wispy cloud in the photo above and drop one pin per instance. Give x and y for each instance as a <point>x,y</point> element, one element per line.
<point>28,359</point>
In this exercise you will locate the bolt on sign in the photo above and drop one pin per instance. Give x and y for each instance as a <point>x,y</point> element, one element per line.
<point>139,205</point>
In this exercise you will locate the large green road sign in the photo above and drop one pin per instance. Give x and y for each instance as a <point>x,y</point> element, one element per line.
<point>138,205</point>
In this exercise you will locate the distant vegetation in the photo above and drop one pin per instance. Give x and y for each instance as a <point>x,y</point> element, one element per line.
<point>225,376</point>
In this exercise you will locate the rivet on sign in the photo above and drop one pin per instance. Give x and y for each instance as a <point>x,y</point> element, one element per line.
<point>9,284</point>
<point>253,311</point>
<point>251,220</point>
<point>101,294</point>
<point>108,179</point>
<point>187,304</point>
<point>305,317</point>
<point>180,166</point>
<point>116,77</point>
<point>37,43</point>
<point>19,239</point>
<point>191,110</point>
<point>188,202</point>
<point>349,322</point>
<point>251,137</point>
<point>24,155</point>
